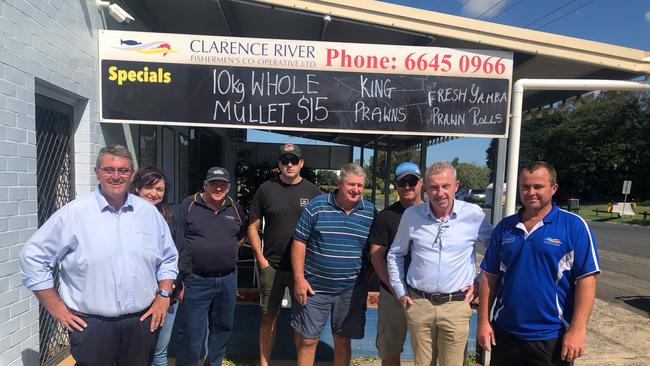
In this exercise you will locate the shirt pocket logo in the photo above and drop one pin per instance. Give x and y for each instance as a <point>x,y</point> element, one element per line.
<point>304,202</point>
<point>552,241</point>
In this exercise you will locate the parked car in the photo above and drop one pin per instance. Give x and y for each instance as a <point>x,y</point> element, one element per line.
<point>463,193</point>
<point>489,194</point>
<point>478,194</point>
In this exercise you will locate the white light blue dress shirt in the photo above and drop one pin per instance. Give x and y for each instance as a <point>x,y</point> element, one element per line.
<point>111,261</point>
<point>443,253</point>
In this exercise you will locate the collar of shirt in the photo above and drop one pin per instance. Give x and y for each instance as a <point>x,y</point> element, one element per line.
<point>332,201</point>
<point>455,210</point>
<point>104,205</point>
<point>227,202</point>
<point>546,220</point>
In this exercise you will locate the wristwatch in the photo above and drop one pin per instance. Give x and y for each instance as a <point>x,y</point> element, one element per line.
<point>164,293</point>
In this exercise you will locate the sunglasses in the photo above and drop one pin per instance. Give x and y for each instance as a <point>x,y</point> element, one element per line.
<point>411,181</point>
<point>285,160</point>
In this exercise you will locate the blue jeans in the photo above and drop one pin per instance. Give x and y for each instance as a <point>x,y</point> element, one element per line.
<point>212,300</point>
<point>162,338</point>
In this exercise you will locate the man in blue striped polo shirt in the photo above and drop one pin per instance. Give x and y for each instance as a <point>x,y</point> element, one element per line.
<point>329,256</point>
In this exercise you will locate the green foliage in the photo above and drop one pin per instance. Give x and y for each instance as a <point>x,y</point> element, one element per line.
<point>396,158</point>
<point>471,175</point>
<point>594,147</point>
<point>326,178</point>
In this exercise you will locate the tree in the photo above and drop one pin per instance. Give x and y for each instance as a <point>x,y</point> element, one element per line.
<point>396,158</point>
<point>326,178</point>
<point>594,147</point>
<point>471,175</point>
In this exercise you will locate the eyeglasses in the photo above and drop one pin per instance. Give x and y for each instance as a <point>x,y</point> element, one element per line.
<point>285,160</point>
<point>120,171</point>
<point>411,181</point>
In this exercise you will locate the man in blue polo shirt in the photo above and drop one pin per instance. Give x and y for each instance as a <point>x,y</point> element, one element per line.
<point>541,266</point>
<point>329,255</point>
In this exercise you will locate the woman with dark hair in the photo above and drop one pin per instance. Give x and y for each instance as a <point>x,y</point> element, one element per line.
<point>151,184</point>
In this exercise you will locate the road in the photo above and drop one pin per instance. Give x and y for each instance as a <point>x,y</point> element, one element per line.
<point>625,239</point>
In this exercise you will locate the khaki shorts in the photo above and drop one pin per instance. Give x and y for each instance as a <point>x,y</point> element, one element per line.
<point>391,326</point>
<point>272,285</point>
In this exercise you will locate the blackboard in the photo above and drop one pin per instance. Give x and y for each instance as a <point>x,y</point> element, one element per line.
<point>303,99</point>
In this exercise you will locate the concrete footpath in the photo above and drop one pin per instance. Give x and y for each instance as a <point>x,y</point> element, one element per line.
<point>615,337</point>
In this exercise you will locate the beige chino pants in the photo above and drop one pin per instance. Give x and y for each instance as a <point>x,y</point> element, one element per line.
<point>438,332</point>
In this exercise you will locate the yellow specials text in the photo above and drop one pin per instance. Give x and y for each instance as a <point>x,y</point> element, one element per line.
<point>145,75</point>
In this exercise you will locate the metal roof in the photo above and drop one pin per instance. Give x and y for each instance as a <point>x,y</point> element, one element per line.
<point>536,54</point>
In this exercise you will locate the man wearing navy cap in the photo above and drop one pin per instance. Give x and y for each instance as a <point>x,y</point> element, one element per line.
<point>210,227</point>
<point>391,323</point>
<point>547,249</point>
<point>441,236</point>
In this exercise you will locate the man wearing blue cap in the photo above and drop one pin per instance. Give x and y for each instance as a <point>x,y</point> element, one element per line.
<point>391,323</point>
<point>441,236</point>
<point>210,226</point>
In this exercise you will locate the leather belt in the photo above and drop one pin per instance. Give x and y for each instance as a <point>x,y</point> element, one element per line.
<point>436,297</point>
<point>214,274</point>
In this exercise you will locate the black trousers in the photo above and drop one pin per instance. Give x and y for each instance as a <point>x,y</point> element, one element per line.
<point>512,351</point>
<point>120,341</point>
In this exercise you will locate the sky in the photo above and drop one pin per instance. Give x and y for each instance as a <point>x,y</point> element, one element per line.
<point>619,22</point>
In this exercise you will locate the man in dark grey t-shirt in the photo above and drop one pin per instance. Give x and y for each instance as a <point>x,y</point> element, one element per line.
<point>279,201</point>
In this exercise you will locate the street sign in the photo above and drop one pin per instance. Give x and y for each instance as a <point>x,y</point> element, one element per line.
<point>627,186</point>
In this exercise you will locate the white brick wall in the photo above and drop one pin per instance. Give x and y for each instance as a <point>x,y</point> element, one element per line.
<point>54,41</point>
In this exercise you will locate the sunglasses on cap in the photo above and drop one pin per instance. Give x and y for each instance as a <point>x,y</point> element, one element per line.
<point>285,160</point>
<point>411,180</point>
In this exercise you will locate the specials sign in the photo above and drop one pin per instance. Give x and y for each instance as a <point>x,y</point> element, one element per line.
<point>303,85</point>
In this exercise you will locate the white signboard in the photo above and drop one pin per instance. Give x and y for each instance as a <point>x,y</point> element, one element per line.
<point>627,186</point>
<point>303,85</point>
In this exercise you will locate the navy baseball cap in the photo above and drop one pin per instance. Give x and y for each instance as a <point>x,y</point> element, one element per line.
<point>407,168</point>
<point>217,173</point>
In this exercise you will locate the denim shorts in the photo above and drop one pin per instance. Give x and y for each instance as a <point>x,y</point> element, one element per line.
<point>347,310</point>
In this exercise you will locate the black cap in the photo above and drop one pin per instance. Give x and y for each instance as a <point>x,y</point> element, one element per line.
<point>217,173</point>
<point>290,149</point>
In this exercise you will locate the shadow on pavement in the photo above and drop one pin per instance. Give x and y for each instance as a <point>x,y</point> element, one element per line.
<point>639,302</point>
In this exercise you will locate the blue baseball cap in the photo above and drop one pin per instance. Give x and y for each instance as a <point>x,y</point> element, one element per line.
<point>407,168</point>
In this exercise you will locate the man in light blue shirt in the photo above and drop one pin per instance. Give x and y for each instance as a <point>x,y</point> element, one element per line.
<point>117,264</point>
<point>441,236</point>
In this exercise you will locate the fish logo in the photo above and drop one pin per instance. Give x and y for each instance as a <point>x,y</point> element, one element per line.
<point>149,48</point>
<point>551,241</point>
<point>129,42</point>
